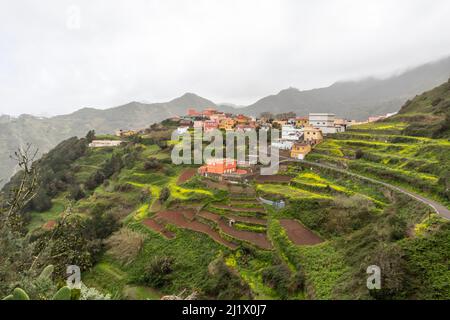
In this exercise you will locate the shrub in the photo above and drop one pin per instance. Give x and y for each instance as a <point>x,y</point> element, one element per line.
<point>359,154</point>
<point>164,195</point>
<point>158,271</point>
<point>124,245</point>
<point>152,164</point>
<point>41,201</point>
<point>223,284</point>
<point>76,193</point>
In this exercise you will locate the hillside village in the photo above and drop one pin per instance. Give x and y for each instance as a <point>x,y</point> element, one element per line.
<point>346,196</point>
<point>299,135</point>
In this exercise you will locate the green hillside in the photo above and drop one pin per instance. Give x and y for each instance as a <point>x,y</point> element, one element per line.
<point>141,228</point>
<point>427,115</point>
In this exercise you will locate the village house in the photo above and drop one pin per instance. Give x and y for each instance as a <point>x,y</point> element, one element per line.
<point>282,144</point>
<point>104,143</point>
<point>279,123</point>
<point>301,122</point>
<point>217,168</point>
<point>218,117</point>
<point>300,150</point>
<point>312,135</point>
<point>191,112</point>
<point>325,122</point>
<point>289,132</point>
<point>241,119</point>
<point>209,112</point>
<point>209,125</point>
<point>227,124</point>
<point>125,133</point>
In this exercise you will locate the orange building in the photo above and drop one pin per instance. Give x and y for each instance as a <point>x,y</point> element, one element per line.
<point>300,150</point>
<point>218,117</point>
<point>209,112</point>
<point>192,112</point>
<point>227,124</point>
<point>220,167</point>
<point>241,119</point>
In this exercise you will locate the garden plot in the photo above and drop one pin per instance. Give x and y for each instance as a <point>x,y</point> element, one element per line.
<point>178,219</point>
<point>273,179</point>
<point>299,234</point>
<point>255,238</point>
<point>186,175</point>
<point>157,227</point>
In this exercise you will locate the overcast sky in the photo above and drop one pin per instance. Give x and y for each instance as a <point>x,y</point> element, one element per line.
<point>57,56</point>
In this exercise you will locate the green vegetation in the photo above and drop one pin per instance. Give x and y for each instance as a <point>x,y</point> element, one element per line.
<point>111,212</point>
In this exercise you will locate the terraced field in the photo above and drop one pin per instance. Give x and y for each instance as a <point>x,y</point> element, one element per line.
<point>378,151</point>
<point>223,242</point>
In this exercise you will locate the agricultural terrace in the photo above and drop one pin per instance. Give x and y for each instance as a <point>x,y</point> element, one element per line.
<point>180,232</point>
<point>379,150</point>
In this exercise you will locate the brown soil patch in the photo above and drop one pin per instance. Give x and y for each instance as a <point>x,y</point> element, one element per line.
<point>216,185</point>
<point>242,190</point>
<point>186,175</point>
<point>298,233</point>
<point>209,216</point>
<point>177,218</point>
<point>258,239</point>
<point>155,226</point>
<point>277,178</point>
<point>253,220</point>
<point>215,217</point>
<point>49,225</point>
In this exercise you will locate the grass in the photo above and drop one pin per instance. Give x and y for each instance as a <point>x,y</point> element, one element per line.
<point>415,163</point>
<point>40,218</point>
<point>288,192</point>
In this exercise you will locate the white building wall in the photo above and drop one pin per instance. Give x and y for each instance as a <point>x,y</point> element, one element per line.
<point>289,132</point>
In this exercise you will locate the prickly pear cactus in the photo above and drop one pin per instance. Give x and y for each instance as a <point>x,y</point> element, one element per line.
<point>47,272</point>
<point>63,294</point>
<point>18,294</point>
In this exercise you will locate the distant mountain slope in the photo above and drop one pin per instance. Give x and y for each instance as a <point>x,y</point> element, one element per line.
<point>45,133</point>
<point>427,114</point>
<point>357,99</point>
<point>352,99</point>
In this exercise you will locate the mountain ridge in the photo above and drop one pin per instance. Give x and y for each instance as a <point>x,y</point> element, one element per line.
<point>356,99</point>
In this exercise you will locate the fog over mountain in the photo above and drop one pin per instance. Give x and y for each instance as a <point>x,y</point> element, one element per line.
<point>357,99</point>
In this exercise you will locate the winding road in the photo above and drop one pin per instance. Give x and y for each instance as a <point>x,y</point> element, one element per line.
<point>436,206</point>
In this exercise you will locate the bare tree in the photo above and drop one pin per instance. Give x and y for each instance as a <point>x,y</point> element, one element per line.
<point>25,190</point>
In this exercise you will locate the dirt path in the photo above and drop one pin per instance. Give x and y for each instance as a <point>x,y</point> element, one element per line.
<point>186,175</point>
<point>177,218</point>
<point>298,234</point>
<point>436,206</point>
<point>155,226</point>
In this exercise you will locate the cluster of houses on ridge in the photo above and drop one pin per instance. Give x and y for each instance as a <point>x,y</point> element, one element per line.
<point>299,135</point>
